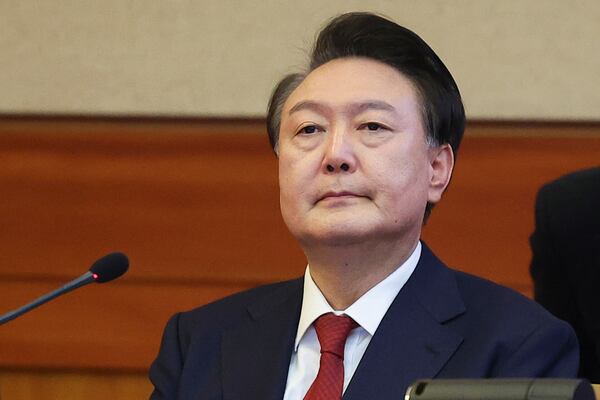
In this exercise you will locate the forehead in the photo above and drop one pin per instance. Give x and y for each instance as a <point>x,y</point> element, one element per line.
<point>350,82</point>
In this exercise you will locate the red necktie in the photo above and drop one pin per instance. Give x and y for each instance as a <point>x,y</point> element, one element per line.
<point>332,332</point>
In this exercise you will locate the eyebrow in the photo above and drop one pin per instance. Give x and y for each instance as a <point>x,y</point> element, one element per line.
<point>353,108</point>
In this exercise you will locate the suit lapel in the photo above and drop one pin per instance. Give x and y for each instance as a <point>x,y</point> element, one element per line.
<point>256,355</point>
<point>411,342</point>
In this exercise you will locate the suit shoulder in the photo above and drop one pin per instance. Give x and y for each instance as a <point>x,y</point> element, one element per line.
<point>233,309</point>
<point>586,181</point>
<point>516,335</point>
<point>485,299</point>
<point>570,202</point>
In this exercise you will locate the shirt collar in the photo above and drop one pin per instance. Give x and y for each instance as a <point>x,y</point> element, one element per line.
<point>368,310</point>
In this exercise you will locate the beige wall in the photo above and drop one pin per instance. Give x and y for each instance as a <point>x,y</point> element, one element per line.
<point>515,59</point>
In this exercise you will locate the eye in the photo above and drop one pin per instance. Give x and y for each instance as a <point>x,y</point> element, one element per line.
<point>372,126</point>
<point>309,130</point>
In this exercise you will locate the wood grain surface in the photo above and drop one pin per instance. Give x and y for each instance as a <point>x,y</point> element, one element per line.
<point>194,203</point>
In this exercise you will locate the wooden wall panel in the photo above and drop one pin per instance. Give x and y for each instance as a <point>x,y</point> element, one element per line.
<point>111,327</point>
<point>71,385</point>
<point>195,206</point>
<point>173,201</point>
<point>484,222</point>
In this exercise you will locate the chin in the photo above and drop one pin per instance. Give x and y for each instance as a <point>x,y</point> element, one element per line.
<point>337,235</point>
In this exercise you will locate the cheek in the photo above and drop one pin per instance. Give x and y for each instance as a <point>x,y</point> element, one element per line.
<point>288,173</point>
<point>292,182</point>
<point>404,183</point>
<point>297,169</point>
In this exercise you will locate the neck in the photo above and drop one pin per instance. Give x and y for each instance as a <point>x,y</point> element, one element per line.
<point>345,273</point>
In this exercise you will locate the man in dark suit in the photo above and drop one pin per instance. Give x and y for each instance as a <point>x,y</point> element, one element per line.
<point>365,139</point>
<point>566,259</point>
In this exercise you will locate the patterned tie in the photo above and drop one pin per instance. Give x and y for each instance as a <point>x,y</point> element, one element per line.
<point>332,332</point>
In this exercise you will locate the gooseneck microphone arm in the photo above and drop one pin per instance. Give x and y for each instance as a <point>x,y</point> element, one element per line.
<point>103,270</point>
<point>84,279</point>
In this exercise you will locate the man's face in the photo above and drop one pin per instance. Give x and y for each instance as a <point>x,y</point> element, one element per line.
<point>354,163</point>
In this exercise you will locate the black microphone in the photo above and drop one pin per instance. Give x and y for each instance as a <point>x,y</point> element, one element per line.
<point>105,269</point>
<point>501,389</point>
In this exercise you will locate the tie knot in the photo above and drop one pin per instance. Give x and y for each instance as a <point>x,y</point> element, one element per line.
<point>332,331</point>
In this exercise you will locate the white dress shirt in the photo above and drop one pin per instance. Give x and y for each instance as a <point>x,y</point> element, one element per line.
<point>367,311</point>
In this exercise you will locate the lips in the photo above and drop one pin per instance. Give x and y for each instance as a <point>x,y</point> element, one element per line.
<point>339,195</point>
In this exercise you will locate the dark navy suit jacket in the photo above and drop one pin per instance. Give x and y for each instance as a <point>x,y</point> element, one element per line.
<point>443,324</point>
<point>566,259</point>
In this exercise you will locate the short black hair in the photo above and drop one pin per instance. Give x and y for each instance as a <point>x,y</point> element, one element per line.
<point>361,34</point>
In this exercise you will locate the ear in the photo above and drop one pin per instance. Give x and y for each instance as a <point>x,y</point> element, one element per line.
<point>441,163</point>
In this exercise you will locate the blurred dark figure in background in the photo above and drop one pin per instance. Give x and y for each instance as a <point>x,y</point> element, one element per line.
<point>566,259</point>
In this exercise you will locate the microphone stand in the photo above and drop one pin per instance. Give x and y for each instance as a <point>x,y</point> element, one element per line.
<point>84,279</point>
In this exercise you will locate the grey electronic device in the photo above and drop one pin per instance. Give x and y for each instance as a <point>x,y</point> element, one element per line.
<point>501,389</point>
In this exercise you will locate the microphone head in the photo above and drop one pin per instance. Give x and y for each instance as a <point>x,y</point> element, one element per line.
<point>109,267</point>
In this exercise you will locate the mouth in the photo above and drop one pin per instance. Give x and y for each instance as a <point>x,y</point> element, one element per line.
<point>342,195</point>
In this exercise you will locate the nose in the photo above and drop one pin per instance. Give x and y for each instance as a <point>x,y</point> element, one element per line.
<point>343,167</point>
<point>339,154</point>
